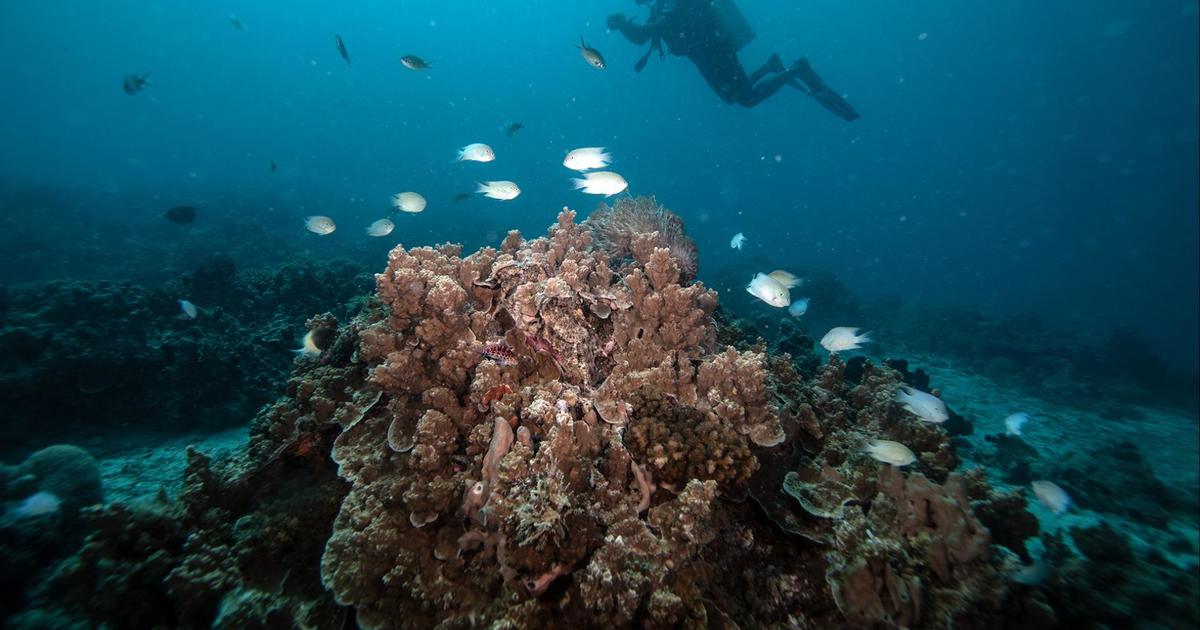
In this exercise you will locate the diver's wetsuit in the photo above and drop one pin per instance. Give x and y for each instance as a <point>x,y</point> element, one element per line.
<point>691,29</point>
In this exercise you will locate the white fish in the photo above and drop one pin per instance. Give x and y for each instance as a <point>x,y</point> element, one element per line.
<point>890,452</point>
<point>798,308</point>
<point>926,407</point>
<point>38,504</point>
<point>844,338</point>
<point>382,227</point>
<point>408,202</point>
<point>502,190</point>
<point>587,158</point>
<point>1052,496</point>
<point>308,347</point>
<point>320,225</point>
<point>605,183</point>
<point>737,241</point>
<point>769,290</point>
<point>1013,423</point>
<point>189,309</point>
<point>786,278</point>
<point>476,152</point>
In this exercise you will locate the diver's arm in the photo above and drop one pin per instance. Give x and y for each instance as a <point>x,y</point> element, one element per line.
<point>635,33</point>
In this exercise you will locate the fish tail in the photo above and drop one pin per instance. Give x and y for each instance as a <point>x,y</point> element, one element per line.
<point>580,183</point>
<point>481,187</point>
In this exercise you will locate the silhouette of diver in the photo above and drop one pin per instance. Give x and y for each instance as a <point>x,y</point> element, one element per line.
<point>710,33</point>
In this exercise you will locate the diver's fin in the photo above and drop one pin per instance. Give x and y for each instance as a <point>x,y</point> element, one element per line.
<point>641,63</point>
<point>817,89</point>
<point>654,45</point>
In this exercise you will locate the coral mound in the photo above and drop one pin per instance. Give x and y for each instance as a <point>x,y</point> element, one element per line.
<point>493,470</point>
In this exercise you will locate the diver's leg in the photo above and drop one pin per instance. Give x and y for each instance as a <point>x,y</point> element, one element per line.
<point>723,72</point>
<point>764,89</point>
<point>774,64</point>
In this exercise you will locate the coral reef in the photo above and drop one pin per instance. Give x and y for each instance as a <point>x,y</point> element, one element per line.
<point>1111,586</point>
<point>546,435</point>
<point>1117,479</point>
<point>32,541</point>
<point>76,357</point>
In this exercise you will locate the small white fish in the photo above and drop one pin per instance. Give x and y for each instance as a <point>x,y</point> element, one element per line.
<point>476,152</point>
<point>308,347</point>
<point>320,225</point>
<point>926,407</point>
<point>1013,423</point>
<point>605,183</point>
<point>798,308</point>
<point>786,278</point>
<point>1051,496</point>
<point>382,227</point>
<point>587,158</point>
<point>38,504</point>
<point>890,452</point>
<point>844,338</point>
<point>188,309</point>
<point>737,241</point>
<point>408,202</point>
<point>769,290</point>
<point>502,190</point>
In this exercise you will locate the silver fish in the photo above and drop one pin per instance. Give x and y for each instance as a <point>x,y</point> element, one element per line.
<point>591,55</point>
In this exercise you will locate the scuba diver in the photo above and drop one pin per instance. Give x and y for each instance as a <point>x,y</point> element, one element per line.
<point>710,33</point>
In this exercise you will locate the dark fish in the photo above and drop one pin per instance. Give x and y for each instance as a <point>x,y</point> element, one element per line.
<point>342,50</point>
<point>462,197</point>
<point>238,24</point>
<point>413,62</point>
<point>273,167</point>
<point>181,214</point>
<point>134,83</point>
<point>512,128</point>
<point>591,55</point>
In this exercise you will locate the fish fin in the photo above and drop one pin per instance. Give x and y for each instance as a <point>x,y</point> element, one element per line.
<point>460,155</point>
<point>864,338</point>
<point>481,187</point>
<point>579,183</point>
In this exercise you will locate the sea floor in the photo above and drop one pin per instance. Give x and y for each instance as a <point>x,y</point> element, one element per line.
<point>1168,439</point>
<point>138,467</point>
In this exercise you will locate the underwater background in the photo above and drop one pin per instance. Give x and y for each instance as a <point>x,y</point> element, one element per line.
<point>1014,217</point>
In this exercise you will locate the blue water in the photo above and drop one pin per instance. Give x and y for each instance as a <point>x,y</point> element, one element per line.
<point>1013,157</point>
<point>1030,160</point>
